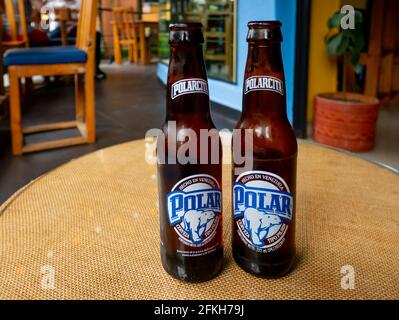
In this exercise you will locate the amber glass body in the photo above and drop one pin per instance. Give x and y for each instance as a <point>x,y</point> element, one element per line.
<point>188,111</point>
<point>274,143</point>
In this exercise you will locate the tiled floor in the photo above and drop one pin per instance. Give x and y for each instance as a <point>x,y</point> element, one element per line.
<point>128,103</point>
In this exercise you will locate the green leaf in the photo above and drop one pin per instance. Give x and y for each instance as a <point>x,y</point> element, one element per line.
<point>343,46</point>
<point>348,41</point>
<point>358,68</point>
<point>359,40</point>
<point>358,17</point>
<point>354,58</point>
<point>335,20</point>
<point>333,43</point>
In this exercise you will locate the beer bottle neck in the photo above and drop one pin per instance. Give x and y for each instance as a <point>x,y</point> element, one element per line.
<point>187,88</point>
<point>264,83</point>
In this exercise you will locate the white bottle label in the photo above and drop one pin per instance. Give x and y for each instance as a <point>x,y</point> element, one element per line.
<point>194,208</point>
<point>187,86</point>
<point>262,209</point>
<point>264,83</point>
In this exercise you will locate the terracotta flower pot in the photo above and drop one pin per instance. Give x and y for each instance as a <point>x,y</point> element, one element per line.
<point>345,123</point>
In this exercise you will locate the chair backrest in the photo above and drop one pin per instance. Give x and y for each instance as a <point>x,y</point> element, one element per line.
<point>63,14</point>
<point>124,19</point>
<point>86,33</point>
<point>13,23</point>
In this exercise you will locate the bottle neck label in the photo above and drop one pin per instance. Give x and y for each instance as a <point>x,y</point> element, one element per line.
<point>266,83</point>
<point>187,86</point>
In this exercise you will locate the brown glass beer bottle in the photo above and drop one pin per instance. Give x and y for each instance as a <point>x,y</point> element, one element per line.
<point>264,197</point>
<point>190,195</point>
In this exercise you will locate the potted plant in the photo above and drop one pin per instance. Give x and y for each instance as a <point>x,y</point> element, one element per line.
<point>342,119</point>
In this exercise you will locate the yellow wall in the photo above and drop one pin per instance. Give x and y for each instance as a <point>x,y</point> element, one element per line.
<point>322,69</point>
<point>358,4</point>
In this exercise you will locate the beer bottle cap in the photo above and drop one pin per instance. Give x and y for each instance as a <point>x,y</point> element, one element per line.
<point>189,32</point>
<point>264,31</point>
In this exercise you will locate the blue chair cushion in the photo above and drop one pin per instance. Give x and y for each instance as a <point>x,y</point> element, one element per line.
<point>43,55</point>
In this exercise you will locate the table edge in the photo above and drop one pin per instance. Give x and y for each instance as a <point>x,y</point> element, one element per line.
<point>353,155</point>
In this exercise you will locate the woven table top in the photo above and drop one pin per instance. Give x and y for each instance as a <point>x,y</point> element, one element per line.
<point>90,230</point>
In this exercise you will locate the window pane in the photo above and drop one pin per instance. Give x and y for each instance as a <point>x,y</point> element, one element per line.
<point>218,18</point>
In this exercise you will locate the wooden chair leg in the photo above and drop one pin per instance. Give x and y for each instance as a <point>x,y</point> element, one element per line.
<point>28,86</point>
<point>79,97</point>
<point>117,47</point>
<point>135,50</point>
<point>15,114</point>
<point>117,54</point>
<point>90,107</point>
<point>143,52</point>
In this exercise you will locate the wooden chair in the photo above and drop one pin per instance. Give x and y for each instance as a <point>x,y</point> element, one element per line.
<point>64,15</point>
<point>125,33</point>
<point>2,91</point>
<point>16,35</point>
<point>76,60</point>
<point>382,56</point>
<point>17,39</point>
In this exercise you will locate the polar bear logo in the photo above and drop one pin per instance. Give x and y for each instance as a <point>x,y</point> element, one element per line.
<point>258,224</point>
<point>195,223</point>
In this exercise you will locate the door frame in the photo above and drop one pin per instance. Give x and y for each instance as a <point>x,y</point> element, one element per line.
<point>301,67</point>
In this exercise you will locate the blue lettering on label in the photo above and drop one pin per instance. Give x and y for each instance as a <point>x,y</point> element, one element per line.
<point>194,209</point>
<point>264,200</point>
<point>179,202</point>
<point>263,208</point>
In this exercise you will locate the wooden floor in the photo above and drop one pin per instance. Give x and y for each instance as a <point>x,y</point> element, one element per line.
<point>128,103</point>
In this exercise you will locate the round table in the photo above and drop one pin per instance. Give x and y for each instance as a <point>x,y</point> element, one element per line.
<point>89,230</point>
